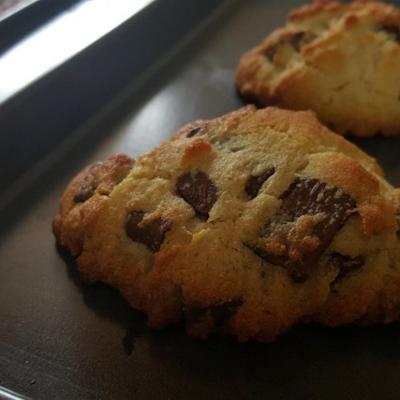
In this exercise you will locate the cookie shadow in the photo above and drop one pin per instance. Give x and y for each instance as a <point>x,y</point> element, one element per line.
<point>108,303</point>
<point>310,362</point>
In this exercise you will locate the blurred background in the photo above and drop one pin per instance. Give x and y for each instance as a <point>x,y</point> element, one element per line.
<point>8,5</point>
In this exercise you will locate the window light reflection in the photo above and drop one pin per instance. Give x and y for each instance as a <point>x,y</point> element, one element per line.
<point>61,38</point>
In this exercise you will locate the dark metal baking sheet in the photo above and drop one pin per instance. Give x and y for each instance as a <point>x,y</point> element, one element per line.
<point>60,340</point>
<point>19,17</point>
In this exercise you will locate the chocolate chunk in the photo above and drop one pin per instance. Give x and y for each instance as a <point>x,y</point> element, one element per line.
<point>254,182</point>
<point>103,176</point>
<point>193,132</point>
<point>398,225</point>
<point>85,191</point>
<point>150,233</point>
<point>345,264</point>
<point>310,215</point>
<point>297,40</point>
<point>392,30</point>
<point>197,189</point>
<point>310,196</point>
<point>88,184</point>
<point>220,313</point>
<point>271,51</point>
<point>298,273</point>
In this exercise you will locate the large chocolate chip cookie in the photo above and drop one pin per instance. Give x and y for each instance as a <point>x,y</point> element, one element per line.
<point>242,225</point>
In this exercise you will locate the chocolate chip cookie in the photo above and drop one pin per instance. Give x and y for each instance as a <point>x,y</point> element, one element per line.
<point>243,225</point>
<point>339,60</point>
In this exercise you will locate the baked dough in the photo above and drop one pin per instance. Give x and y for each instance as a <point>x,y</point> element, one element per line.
<point>243,225</point>
<point>340,60</point>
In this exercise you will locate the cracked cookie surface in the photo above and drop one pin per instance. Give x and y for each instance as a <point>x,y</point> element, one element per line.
<point>339,60</point>
<point>243,225</point>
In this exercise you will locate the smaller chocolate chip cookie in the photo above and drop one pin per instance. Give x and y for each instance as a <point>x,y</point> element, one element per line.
<point>243,225</point>
<point>340,60</point>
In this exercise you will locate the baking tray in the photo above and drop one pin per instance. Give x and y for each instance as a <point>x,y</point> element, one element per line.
<point>62,340</point>
<point>19,17</point>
